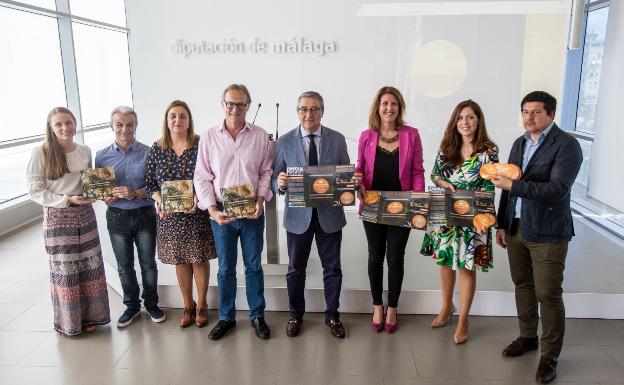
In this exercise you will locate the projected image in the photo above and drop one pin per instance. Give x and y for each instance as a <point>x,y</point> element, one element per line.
<point>438,69</point>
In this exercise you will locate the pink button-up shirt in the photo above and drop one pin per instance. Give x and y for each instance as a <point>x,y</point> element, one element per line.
<point>225,162</point>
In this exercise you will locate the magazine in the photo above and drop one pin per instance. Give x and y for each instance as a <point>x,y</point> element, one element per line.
<point>459,208</point>
<point>321,186</point>
<point>396,208</point>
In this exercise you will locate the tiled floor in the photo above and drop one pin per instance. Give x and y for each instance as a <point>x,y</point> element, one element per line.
<point>148,353</point>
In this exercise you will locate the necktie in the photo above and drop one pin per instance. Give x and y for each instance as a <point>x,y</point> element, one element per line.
<point>312,154</point>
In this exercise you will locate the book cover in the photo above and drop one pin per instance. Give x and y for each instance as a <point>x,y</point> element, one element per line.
<point>98,183</point>
<point>239,201</point>
<point>177,195</point>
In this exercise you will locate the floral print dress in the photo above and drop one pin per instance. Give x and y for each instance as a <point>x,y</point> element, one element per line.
<point>180,238</point>
<point>456,246</point>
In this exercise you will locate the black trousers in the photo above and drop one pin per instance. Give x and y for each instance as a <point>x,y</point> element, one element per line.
<point>328,245</point>
<point>389,242</point>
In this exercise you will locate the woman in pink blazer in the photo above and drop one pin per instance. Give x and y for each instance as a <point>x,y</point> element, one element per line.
<point>389,159</point>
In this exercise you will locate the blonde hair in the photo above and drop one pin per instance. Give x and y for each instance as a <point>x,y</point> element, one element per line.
<point>165,138</point>
<point>54,158</point>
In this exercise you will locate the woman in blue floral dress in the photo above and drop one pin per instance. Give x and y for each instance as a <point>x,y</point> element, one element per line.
<point>464,148</point>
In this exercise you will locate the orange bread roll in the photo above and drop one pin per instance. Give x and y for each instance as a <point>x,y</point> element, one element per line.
<point>509,170</point>
<point>371,197</point>
<point>488,171</point>
<point>481,221</point>
<point>419,221</point>
<point>461,207</point>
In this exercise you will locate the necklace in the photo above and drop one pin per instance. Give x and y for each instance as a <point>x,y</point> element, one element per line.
<point>466,153</point>
<point>389,140</point>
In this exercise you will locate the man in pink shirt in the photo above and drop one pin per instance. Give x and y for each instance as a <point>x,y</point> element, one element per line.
<point>231,154</point>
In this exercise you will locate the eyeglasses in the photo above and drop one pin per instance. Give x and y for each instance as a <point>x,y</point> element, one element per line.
<point>305,110</point>
<point>232,105</point>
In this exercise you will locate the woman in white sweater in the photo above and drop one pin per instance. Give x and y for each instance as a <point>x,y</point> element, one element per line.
<point>77,281</point>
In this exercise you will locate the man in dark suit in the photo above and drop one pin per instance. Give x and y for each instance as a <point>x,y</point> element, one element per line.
<point>535,225</point>
<point>311,144</point>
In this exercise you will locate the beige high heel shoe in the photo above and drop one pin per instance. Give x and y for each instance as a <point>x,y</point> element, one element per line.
<point>437,323</point>
<point>461,339</point>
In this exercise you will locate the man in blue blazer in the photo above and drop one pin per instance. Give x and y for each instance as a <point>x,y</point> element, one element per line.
<point>535,225</point>
<point>311,144</point>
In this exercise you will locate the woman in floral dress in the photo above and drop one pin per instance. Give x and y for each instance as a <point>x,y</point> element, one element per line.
<point>183,239</point>
<point>464,148</point>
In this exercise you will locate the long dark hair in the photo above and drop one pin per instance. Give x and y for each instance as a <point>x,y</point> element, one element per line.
<point>54,158</point>
<point>452,140</point>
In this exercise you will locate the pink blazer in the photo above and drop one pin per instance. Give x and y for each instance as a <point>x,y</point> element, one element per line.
<point>411,170</point>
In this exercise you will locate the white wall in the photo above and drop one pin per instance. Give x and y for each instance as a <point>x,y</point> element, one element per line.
<point>505,56</point>
<point>604,185</point>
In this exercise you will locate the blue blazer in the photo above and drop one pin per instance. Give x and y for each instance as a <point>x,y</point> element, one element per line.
<point>289,153</point>
<point>544,188</point>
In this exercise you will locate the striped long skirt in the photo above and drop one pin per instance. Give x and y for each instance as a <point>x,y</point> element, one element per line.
<point>77,280</point>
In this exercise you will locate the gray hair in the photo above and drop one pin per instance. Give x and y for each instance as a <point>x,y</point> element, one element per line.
<point>313,95</point>
<point>124,110</point>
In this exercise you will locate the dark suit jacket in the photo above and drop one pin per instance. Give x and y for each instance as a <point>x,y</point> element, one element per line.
<point>289,153</point>
<point>544,188</point>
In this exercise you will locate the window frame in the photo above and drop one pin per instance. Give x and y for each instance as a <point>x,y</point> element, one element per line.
<point>65,20</point>
<point>590,209</point>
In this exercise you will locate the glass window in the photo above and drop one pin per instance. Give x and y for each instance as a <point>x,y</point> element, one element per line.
<point>107,11</point>
<point>590,73</point>
<point>103,72</point>
<point>31,72</point>
<point>48,4</point>
<point>13,170</point>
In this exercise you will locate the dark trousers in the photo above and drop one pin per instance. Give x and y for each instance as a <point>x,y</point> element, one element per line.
<point>389,242</point>
<point>328,245</point>
<point>128,228</point>
<point>537,273</point>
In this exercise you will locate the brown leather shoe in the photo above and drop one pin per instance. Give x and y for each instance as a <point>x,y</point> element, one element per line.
<point>546,371</point>
<point>520,346</point>
<point>188,316</point>
<point>335,328</point>
<point>201,318</point>
<point>293,327</point>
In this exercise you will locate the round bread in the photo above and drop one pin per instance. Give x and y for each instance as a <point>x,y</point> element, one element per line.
<point>488,171</point>
<point>346,198</point>
<point>320,186</point>
<point>481,255</point>
<point>492,218</point>
<point>419,221</point>
<point>371,197</point>
<point>508,170</point>
<point>481,221</point>
<point>460,206</point>
<point>394,207</point>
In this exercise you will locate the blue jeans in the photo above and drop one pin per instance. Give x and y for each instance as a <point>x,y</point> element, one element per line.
<point>251,233</point>
<point>126,229</point>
